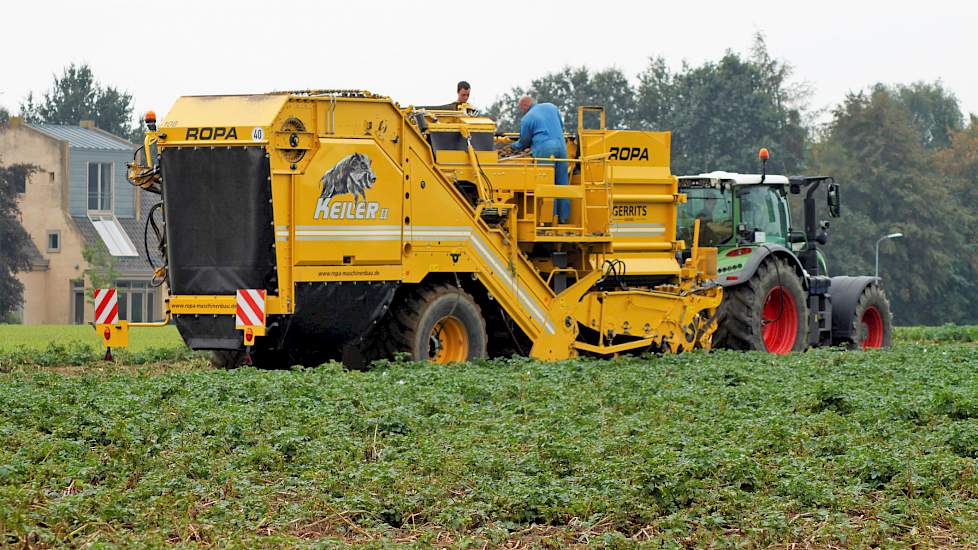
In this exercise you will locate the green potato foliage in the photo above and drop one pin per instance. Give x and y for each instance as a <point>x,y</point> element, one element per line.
<point>725,449</point>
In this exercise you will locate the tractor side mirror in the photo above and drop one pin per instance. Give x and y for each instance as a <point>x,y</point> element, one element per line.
<point>796,236</point>
<point>834,200</point>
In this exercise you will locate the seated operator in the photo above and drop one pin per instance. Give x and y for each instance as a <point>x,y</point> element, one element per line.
<point>713,230</point>
<point>542,130</point>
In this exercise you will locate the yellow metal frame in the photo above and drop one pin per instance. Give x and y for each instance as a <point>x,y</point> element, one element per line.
<point>623,193</point>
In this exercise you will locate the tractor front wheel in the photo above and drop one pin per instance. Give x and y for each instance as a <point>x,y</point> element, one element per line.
<point>767,313</point>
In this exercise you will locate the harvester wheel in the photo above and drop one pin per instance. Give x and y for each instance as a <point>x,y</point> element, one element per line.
<point>261,358</point>
<point>872,321</point>
<point>767,313</point>
<point>226,359</point>
<point>440,323</point>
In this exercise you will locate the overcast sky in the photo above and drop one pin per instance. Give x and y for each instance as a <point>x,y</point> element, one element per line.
<point>416,52</point>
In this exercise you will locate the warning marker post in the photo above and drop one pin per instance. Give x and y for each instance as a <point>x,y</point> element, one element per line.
<point>250,317</point>
<point>115,333</point>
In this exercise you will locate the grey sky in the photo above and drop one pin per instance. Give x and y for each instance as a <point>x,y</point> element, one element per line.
<point>416,52</point>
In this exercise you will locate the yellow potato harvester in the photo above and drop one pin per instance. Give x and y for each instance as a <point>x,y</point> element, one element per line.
<point>375,229</point>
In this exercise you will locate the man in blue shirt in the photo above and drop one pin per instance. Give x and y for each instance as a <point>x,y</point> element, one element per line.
<point>542,130</point>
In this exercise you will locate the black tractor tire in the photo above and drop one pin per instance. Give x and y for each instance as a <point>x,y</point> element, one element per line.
<point>741,320</point>
<point>417,322</point>
<point>872,320</point>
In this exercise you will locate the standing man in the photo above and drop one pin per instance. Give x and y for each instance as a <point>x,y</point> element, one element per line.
<point>542,130</point>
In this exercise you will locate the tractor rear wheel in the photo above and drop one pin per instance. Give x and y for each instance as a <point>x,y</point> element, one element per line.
<point>872,321</point>
<point>438,323</point>
<point>767,313</point>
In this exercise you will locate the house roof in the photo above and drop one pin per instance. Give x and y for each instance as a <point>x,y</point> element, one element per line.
<point>128,265</point>
<point>38,261</point>
<point>84,138</point>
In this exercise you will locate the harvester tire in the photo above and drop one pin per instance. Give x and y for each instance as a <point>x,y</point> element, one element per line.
<point>265,359</point>
<point>872,321</point>
<point>226,359</point>
<point>767,313</point>
<point>438,323</point>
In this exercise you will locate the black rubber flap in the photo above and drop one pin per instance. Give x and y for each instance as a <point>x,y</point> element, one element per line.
<point>218,210</point>
<point>453,141</point>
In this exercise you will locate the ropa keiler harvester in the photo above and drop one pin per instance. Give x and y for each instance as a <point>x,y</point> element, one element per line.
<point>778,295</point>
<point>312,225</point>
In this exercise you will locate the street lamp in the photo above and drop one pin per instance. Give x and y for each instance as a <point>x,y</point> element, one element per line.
<point>878,241</point>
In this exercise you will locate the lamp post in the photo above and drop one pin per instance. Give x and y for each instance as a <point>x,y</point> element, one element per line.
<point>878,241</point>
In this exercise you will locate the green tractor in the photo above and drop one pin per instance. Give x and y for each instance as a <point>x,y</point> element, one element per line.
<point>778,295</point>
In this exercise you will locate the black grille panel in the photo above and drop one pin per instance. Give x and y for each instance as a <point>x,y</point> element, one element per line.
<point>218,220</point>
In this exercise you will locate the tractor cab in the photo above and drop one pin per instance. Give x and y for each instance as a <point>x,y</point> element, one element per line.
<point>735,209</point>
<point>739,212</point>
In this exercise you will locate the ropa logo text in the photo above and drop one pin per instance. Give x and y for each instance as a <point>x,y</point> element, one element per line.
<point>629,153</point>
<point>206,134</point>
<point>328,209</point>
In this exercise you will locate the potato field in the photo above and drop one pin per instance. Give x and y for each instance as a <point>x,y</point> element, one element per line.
<point>823,449</point>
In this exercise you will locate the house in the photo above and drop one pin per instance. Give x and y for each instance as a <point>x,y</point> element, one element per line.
<point>79,198</point>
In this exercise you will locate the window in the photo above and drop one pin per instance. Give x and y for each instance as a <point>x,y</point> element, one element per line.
<point>20,183</point>
<point>54,241</point>
<point>137,301</point>
<point>710,206</point>
<point>78,301</point>
<point>113,235</point>
<point>762,209</point>
<point>100,186</point>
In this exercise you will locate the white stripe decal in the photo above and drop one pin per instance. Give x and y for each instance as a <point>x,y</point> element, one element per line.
<point>530,304</point>
<point>347,227</point>
<point>440,228</point>
<point>350,233</point>
<point>430,233</point>
<point>348,238</point>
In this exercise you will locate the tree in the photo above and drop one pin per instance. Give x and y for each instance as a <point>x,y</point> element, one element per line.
<point>568,89</point>
<point>958,166</point>
<point>934,111</point>
<point>101,272</point>
<point>720,113</point>
<point>4,116</point>
<point>77,96</point>
<point>14,240</point>
<point>876,148</point>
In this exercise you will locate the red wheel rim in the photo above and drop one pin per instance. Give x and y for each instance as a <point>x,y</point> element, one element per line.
<point>874,328</point>
<point>780,325</point>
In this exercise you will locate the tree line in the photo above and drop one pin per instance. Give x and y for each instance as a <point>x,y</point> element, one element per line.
<point>905,155</point>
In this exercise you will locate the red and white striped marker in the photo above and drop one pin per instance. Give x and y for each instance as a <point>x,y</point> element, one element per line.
<point>251,308</point>
<point>106,306</point>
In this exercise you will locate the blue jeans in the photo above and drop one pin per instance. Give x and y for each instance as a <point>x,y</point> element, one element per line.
<point>559,150</point>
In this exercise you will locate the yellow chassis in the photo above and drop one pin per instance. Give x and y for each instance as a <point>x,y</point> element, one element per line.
<point>622,194</point>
